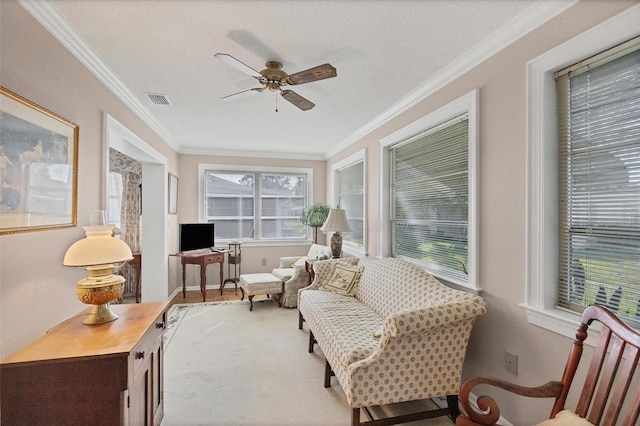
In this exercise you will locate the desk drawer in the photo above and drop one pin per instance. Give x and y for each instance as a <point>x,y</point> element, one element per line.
<point>212,258</point>
<point>144,347</point>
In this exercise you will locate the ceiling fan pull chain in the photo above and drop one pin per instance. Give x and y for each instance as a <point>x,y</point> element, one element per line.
<point>276,102</point>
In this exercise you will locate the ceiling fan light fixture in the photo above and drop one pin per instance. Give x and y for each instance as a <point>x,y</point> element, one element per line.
<point>274,79</point>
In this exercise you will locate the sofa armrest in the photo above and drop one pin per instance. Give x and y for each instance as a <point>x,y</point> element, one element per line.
<point>437,321</point>
<point>287,262</point>
<point>427,319</point>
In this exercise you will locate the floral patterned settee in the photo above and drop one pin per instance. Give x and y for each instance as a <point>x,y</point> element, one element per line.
<point>401,336</point>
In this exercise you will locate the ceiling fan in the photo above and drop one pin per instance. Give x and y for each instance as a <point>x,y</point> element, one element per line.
<point>274,79</point>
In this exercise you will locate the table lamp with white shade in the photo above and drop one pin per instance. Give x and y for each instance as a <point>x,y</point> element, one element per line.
<point>336,222</point>
<point>99,253</point>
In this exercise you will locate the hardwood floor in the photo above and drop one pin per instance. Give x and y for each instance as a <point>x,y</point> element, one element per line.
<point>213,295</point>
<point>194,296</point>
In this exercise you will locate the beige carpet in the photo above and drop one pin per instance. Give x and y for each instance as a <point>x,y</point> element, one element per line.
<point>225,365</point>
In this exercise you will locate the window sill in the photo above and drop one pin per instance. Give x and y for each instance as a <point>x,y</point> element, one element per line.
<point>352,251</point>
<point>561,322</point>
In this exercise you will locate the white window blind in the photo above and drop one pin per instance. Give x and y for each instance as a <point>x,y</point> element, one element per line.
<point>430,198</point>
<point>351,199</point>
<point>598,103</point>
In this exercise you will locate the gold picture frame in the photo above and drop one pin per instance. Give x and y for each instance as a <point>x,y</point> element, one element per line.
<point>173,194</point>
<point>38,167</point>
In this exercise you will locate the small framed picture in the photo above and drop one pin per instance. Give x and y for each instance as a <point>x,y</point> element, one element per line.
<point>173,194</point>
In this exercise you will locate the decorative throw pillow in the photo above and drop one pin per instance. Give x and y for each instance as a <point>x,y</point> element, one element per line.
<point>344,280</point>
<point>326,277</point>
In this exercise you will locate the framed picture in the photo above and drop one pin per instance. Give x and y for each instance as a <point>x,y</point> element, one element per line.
<point>173,194</point>
<point>38,167</point>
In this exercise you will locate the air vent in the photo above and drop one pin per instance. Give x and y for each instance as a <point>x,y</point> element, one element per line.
<point>159,99</point>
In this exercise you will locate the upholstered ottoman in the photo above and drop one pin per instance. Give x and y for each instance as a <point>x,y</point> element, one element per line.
<point>252,284</point>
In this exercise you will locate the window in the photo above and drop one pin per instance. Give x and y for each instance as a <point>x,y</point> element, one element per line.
<point>584,177</point>
<point>255,205</point>
<point>599,182</point>
<point>115,191</point>
<point>432,198</point>
<point>349,194</point>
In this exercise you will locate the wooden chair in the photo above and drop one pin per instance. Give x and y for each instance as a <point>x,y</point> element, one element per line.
<point>605,389</point>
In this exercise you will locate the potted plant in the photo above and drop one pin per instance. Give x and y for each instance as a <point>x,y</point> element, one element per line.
<point>315,216</point>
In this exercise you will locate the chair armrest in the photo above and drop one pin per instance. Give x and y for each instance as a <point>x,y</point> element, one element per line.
<point>299,271</point>
<point>427,319</point>
<point>489,407</point>
<point>287,262</point>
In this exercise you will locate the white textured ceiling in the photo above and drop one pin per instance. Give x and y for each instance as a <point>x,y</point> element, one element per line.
<point>383,52</point>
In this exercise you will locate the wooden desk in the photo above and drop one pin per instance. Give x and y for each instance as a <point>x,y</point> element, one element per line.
<point>77,374</point>
<point>202,259</point>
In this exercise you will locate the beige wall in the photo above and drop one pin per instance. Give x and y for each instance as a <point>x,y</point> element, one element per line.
<point>252,255</point>
<point>36,291</point>
<point>501,81</point>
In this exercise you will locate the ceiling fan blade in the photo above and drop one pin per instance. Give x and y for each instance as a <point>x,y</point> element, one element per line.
<point>313,74</point>
<point>297,100</point>
<point>240,66</point>
<point>243,94</point>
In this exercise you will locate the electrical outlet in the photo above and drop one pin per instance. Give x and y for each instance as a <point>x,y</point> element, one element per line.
<point>511,363</point>
<point>264,262</point>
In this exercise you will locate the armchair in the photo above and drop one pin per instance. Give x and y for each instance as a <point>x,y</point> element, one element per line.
<point>609,395</point>
<point>293,274</point>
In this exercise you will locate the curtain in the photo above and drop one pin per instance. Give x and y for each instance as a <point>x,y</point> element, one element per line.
<point>130,209</point>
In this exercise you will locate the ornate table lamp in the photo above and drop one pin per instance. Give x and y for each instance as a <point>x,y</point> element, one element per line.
<point>98,253</point>
<point>336,222</point>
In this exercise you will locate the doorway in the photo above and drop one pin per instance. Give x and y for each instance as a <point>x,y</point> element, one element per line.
<point>153,244</point>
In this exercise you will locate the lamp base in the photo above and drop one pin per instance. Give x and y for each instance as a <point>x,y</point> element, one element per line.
<point>100,314</point>
<point>98,290</point>
<point>336,245</point>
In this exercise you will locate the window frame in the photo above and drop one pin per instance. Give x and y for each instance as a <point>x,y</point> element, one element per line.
<point>202,198</point>
<point>355,158</point>
<point>541,271</point>
<point>466,104</point>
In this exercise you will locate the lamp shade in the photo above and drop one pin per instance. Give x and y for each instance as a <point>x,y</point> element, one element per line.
<point>99,248</point>
<point>336,222</point>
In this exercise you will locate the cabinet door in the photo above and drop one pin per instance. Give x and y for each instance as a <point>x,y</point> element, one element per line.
<point>146,394</point>
<point>139,404</point>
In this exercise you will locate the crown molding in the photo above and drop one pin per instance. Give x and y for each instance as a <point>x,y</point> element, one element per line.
<point>527,21</point>
<point>50,18</point>
<point>254,154</point>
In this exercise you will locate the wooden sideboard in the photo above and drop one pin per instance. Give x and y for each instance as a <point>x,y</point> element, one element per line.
<point>75,374</point>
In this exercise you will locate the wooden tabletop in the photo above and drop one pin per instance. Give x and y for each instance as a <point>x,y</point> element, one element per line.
<point>199,253</point>
<point>72,338</point>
